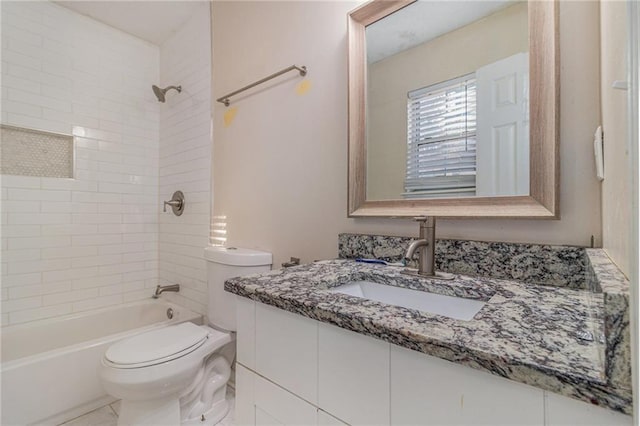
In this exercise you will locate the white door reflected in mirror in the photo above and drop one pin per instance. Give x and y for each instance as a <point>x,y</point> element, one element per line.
<point>448,101</point>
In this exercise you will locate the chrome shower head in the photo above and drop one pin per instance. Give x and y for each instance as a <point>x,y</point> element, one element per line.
<point>160,93</point>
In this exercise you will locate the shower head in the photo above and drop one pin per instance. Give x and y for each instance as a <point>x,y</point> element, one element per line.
<point>161,92</point>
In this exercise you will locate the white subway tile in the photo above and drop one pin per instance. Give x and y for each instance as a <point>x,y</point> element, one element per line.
<point>37,290</point>
<point>69,252</point>
<point>35,123</point>
<point>22,279</point>
<point>96,261</point>
<point>97,281</point>
<point>13,305</point>
<point>66,207</point>
<point>38,242</point>
<point>39,313</point>
<point>38,266</point>
<point>16,82</point>
<point>39,100</point>
<point>20,59</point>
<point>140,275</point>
<point>121,268</point>
<point>111,290</point>
<point>95,197</point>
<point>72,184</point>
<point>96,240</point>
<point>69,274</point>
<point>69,296</point>
<point>20,255</point>
<point>98,302</point>
<point>38,195</point>
<point>21,206</point>
<point>121,248</point>
<point>22,109</point>
<point>38,218</point>
<point>97,218</point>
<point>69,229</point>
<point>132,296</point>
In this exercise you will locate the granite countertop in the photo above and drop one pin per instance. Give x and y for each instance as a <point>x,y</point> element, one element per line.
<point>549,337</point>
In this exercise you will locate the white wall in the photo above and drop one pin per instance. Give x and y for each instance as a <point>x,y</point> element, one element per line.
<point>185,158</point>
<point>280,167</point>
<point>71,245</point>
<point>616,187</point>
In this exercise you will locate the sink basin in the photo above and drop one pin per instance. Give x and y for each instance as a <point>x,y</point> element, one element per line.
<point>448,306</point>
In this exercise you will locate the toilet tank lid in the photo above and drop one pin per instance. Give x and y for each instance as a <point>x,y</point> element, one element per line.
<point>235,256</point>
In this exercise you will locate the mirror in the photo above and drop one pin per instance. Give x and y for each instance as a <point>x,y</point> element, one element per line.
<point>440,106</point>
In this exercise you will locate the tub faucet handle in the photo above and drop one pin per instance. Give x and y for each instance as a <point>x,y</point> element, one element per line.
<point>176,202</point>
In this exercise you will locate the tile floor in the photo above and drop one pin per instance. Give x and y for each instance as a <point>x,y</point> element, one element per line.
<point>108,415</point>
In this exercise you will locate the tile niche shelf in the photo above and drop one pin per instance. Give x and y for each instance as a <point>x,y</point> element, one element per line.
<point>27,152</point>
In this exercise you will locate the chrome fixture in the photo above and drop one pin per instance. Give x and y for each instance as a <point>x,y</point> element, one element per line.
<point>225,99</point>
<point>162,288</point>
<point>294,261</point>
<point>427,246</point>
<point>177,203</point>
<point>160,93</point>
<point>169,313</point>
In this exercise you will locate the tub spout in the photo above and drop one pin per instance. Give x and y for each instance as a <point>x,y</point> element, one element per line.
<point>162,288</point>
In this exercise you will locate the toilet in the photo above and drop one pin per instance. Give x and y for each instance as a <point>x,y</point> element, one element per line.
<point>178,375</point>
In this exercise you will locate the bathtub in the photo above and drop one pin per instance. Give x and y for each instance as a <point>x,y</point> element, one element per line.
<point>49,369</point>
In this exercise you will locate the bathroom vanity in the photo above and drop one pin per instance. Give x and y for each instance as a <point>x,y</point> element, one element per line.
<point>546,348</point>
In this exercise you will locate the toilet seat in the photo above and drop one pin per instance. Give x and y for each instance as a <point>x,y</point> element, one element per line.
<point>161,346</point>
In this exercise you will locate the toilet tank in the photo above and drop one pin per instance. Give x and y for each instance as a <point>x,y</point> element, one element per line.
<point>224,263</point>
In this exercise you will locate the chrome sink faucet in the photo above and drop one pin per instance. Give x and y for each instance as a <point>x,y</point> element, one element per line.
<point>427,246</point>
<point>162,288</point>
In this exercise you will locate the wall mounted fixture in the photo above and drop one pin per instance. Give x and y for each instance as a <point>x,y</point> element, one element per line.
<point>301,69</point>
<point>177,203</point>
<point>160,93</point>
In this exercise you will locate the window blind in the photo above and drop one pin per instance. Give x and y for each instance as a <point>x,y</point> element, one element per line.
<point>441,139</point>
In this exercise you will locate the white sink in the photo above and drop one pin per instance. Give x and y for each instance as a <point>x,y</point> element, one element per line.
<point>448,306</point>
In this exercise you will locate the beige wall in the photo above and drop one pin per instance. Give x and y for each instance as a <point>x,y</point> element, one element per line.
<point>616,191</point>
<point>463,51</point>
<point>280,167</point>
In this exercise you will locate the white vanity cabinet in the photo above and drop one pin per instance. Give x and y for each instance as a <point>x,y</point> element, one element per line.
<point>292,370</point>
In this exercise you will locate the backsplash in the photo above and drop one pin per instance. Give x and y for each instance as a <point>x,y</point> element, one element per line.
<point>560,266</point>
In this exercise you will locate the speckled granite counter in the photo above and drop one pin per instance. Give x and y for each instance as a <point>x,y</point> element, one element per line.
<point>528,333</point>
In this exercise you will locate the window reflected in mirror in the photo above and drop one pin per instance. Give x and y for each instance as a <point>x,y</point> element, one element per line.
<point>448,101</point>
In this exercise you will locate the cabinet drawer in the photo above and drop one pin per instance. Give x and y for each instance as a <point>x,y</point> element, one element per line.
<point>246,333</point>
<point>561,410</point>
<point>431,391</point>
<point>275,405</point>
<point>245,411</point>
<point>353,376</point>
<point>325,419</point>
<point>287,350</point>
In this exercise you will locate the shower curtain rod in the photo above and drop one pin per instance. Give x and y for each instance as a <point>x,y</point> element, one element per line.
<point>225,99</point>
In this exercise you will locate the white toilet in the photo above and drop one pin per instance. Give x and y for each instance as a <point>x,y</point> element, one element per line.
<point>178,375</point>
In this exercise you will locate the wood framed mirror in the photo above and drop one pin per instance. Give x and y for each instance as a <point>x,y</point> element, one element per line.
<point>537,197</point>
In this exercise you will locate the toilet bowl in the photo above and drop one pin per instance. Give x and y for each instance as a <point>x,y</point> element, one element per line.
<point>178,375</point>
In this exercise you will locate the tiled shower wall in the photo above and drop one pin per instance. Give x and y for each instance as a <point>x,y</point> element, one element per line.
<point>72,245</point>
<point>185,159</point>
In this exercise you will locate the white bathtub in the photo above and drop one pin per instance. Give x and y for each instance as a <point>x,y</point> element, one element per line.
<point>49,370</point>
